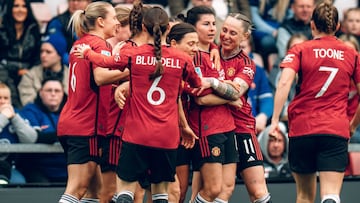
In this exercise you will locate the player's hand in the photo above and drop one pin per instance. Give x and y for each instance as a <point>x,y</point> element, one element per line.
<point>234,84</point>
<point>120,97</point>
<point>117,47</point>
<point>238,104</point>
<point>274,129</point>
<point>188,137</point>
<point>215,58</point>
<point>80,49</point>
<point>205,84</point>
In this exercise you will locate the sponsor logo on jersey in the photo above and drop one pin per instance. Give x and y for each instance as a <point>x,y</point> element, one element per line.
<point>215,151</point>
<point>249,72</point>
<point>105,52</point>
<point>288,58</point>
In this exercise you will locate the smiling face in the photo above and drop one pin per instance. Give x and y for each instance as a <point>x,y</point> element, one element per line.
<point>188,43</point>
<point>19,11</point>
<point>232,34</point>
<point>206,28</point>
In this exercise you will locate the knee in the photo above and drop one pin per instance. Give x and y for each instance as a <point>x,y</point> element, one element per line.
<point>174,194</point>
<point>212,191</point>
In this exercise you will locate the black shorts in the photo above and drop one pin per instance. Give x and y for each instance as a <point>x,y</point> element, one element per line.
<point>184,156</point>
<point>80,149</point>
<point>309,154</point>
<point>217,148</point>
<point>249,151</point>
<point>139,163</point>
<point>109,148</point>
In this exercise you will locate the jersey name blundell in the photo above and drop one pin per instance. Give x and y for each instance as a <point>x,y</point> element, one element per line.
<point>151,61</point>
<point>329,53</point>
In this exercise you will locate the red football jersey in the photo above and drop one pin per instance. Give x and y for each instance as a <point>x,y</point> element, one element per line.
<point>114,125</point>
<point>325,67</point>
<point>152,110</point>
<point>209,120</point>
<point>86,109</point>
<point>241,66</point>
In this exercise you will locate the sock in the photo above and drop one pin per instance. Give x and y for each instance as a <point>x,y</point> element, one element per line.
<point>264,199</point>
<point>160,198</point>
<point>89,200</point>
<point>66,198</point>
<point>330,198</point>
<point>125,197</point>
<point>199,199</point>
<point>218,200</point>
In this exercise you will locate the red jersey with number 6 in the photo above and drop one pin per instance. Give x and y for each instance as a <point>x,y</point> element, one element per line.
<point>86,109</point>
<point>325,67</point>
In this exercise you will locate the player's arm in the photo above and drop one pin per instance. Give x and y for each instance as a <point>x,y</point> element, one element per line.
<point>114,61</point>
<point>104,76</point>
<point>187,134</point>
<point>227,90</point>
<point>282,91</point>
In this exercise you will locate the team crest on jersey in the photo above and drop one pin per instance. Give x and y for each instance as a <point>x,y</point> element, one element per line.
<point>215,151</point>
<point>105,52</point>
<point>249,72</point>
<point>288,58</point>
<point>230,72</point>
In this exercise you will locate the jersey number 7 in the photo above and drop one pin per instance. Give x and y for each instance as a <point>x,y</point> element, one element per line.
<point>333,72</point>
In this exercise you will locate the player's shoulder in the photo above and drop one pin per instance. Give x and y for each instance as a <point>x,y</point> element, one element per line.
<point>244,58</point>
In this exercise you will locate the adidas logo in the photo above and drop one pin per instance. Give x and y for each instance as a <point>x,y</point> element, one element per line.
<point>251,158</point>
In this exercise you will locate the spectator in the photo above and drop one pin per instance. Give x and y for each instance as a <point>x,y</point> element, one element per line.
<point>13,129</point>
<point>275,152</point>
<point>52,48</point>
<point>43,116</point>
<point>260,95</point>
<point>351,23</point>
<point>20,45</point>
<point>267,17</point>
<point>299,23</point>
<point>59,24</point>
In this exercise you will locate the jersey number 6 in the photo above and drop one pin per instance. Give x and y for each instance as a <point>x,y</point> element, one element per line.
<point>155,88</point>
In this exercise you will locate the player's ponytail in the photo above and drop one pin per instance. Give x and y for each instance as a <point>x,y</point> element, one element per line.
<point>326,17</point>
<point>156,22</point>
